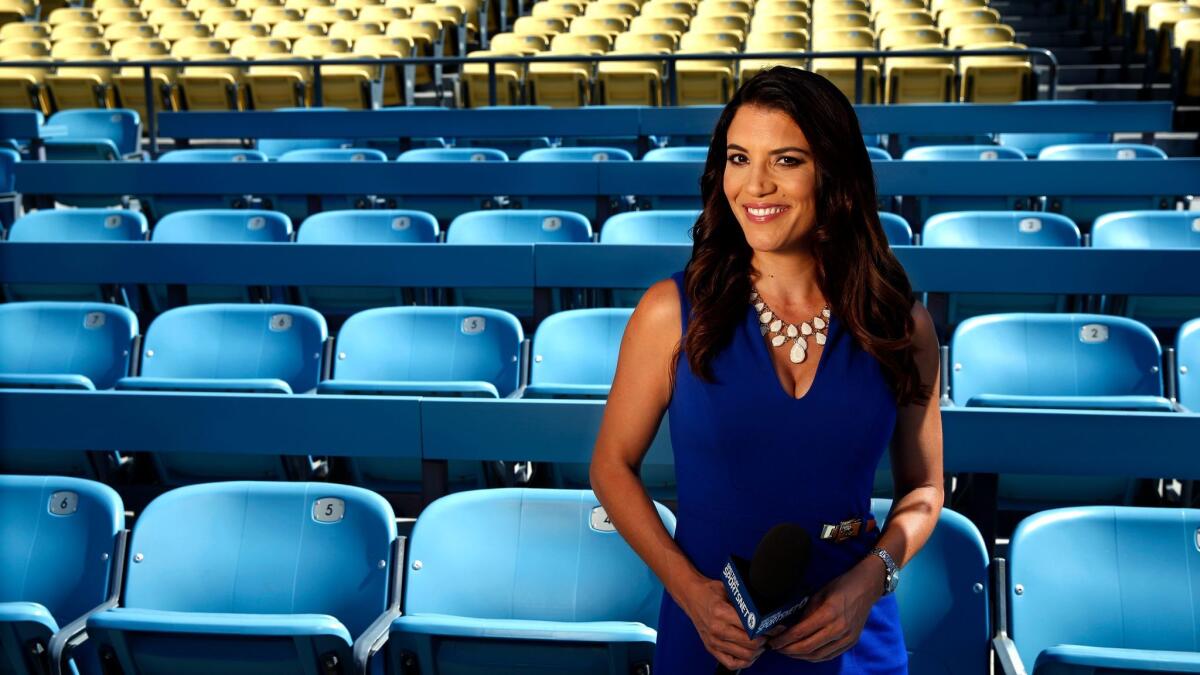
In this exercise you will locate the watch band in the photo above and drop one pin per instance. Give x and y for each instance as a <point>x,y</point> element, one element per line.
<point>891,576</point>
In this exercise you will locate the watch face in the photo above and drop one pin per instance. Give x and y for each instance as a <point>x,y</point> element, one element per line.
<point>893,580</point>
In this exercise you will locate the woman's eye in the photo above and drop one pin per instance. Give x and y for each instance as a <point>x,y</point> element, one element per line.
<point>790,161</point>
<point>738,159</point>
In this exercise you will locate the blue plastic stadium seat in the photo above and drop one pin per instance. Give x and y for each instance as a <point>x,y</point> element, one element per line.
<point>61,538</point>
<point>575,353</point>
<point>1156,230</point>
<point>274,148</point>
<point>693,153</point>
<point>515,227</point>
<point>9,158</point>
<point>1071,361</point>
<point>213,155</point>
<point>446,208</point>
<point>75,225</point>
<point>299,207</point>
<point>918,209</point>
<point>219,226</point>
<point>650,227</point>
<point>161,205</point>
<point>63,345</point>
<point>896,228</point>
<point>1187,360</point>
<point>243,577</point>
<point>263,349</point>
<point>523,581</point>
<point>943,599</point>
<point>357,226</point>
<point>1032,143</point>
<point>471,352</point>
<point>453,155</point>
<point>94,135</point>
<point>1086,210</point>
<point>878,154</point>
<point>1000,229</point>
<point>1103,589</point>
<point>585,206</point>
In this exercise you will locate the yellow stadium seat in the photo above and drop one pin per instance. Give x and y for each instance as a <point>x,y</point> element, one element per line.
<point>772,41</point>
<point>674,25</point>
<point>342,85</point>
<point>408,4</point>
<point>632,82</point>
<point>841,21</point>
<point>294,30</point>
<point>707,82</point>
<point>236,30</point>
<point>511,43</point>
<point>993,33</point>
<point>101,5</point>
<point>509,81</point>
<point>387,47</point>
<point>1186,38</point>
<point>77,31</point>
<point>560,85</point>
<point>72,15</point>
<point>426,38</point>
<point>383,14</point>
<point>783,21</point>
<point>358,4</point>
<point>937,6</point>
<point>841,71</point>
<point>886,21</point>
<point>558,10</point>
<point>19,50</point>
<point>620,10</point>
<point>307,4</point>
<point>569,43</point>
<point>25,87</point>
<point>546,27</point>
<point>272,87</point>
<point>822,7</point>
<point>451,18</point>
<point>208,88</point>
<point>919,79</point>
<point>330,15</point>
<point>108,17</point>
<point>910,38</point>
<point>151,5</point>
<point>996,79</point>
<point>215,16</point>
<point>719,24</point>
<point>25,31</point>
<point>1162,18</point>
<point>130,82</point>
<point>202,6</point>
<point>353,30</point>
<point>696,42</point>
<point>783,6</point>
<point>273,14</point>
<point>668,8</point>
<point>880,6</point>
<point>606,25</point>
<point>644,43</point>
<point>256,4</point>
<point>81,86</point>
<point>980,16</point>
<point>724,7</point>
<point>179,31</point>
<point>165,15</point>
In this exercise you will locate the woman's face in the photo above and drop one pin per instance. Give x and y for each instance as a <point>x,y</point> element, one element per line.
<point>770,178</point>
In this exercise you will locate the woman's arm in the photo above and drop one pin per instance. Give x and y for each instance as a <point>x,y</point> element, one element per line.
<point>640,394</point>
<point>839,611</point>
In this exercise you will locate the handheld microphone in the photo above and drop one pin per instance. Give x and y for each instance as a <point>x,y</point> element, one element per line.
<point>773,578</point>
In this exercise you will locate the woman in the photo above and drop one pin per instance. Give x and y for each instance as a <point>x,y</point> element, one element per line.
<point>789,353</point>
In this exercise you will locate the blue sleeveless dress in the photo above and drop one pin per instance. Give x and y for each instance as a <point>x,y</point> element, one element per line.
<point>748,456</point>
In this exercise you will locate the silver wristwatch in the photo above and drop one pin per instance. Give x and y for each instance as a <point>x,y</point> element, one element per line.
<point>892,577</point>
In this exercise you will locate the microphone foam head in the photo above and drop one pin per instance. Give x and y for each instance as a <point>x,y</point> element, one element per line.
<point>778,566</point>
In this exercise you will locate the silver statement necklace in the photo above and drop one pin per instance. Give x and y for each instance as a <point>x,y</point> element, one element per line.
<point>781,332</point>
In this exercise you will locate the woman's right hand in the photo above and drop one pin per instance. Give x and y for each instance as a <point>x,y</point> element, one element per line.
<point>719,627</point>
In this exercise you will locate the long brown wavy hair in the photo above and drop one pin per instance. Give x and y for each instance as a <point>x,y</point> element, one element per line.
<point>866,287</point>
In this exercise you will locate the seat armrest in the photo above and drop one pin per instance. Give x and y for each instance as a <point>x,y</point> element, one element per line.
<point>1066,659</point>
<point>75,633</point>
<point>375,636</point>
<point>264,385</point>
<point>45,381</point>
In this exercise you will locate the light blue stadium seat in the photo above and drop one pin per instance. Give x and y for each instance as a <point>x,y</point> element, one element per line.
<point>585,206</point>
<point>9,159</point>
<point>1086,210</point>
<point>75,225</point>
<point>274,148</point>
<point>1102,589</point>
<point>896,228</point>
<point>1155,230</point>
<point>530,226</point>
<point>659,226</point>
<point>62,543</point>
<point>243,577</point>
<point>1069,361</point>
<point>472,352</point>
<point>524,581</point>
<point>878,154</point>
<point>943,598</point>
<point>161,205</point>
<point>1032,143</point>
<point>1000,229</point>
<point>219,226</point>
<point>512,147</point>
<point>63,345</point>
<point>299,207</point>
<point>919,209</point>
<point>688,153</point>
<point>358,226</point>
<point>107,135</point>
<point>446,208</point>
<point>263,349</point>
<point>1187,360</point>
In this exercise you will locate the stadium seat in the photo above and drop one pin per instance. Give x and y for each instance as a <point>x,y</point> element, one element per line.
<point>677,154</point>
<point>447,208</point>
<point>75,225</point>
<point>1033,143</point>
<point>877,154</point>
<point>262,349</point>
<point>1000,229</point>
<point>841,71</point>
<point>556,371</point>
<point>219,226</point>
<point>471,352</point>
<point>107,135</point>
<point>274,148</point>
<point>9,159</point>
<point>510,81</point>
<point>516,581</point>
<point>1187,359</point>
<point>1105,589</point>
<point>1085,210</point>
<point>61,561</point>
<point>81,86</point>
<point>63,345</point>
<point>586,206</point>
<point>162,205</point>
<point>1095,151</point>
<point>896,229</point>
<point>943,600</point>
<point>1154,230</point>
<point>919,209</point>
<point>1065,361</point>
<point>453,155</point>
<point>649,227</point>
<point>299,207</point>
<point>916,79</point>
<point>25,88</point>
<point>227,577</point>
<point>358,226</point>
<point>507,226</point>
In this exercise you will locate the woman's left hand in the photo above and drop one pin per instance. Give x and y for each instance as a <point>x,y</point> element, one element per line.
<point>835,615</point>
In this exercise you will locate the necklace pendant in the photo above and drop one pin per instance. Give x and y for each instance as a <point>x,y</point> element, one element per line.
<point>799,351</point>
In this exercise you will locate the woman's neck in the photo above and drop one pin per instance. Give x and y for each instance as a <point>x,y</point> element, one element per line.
<point>788,279</point>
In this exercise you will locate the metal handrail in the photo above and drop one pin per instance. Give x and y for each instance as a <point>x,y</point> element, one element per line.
<point>410,65</point>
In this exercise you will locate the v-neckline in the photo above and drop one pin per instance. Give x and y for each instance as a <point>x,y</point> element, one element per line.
<point>768,363</point>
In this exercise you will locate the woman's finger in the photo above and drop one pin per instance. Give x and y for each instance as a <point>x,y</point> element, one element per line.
<point>805,646</point>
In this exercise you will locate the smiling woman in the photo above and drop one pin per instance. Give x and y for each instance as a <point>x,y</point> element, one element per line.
<point>789,354</point>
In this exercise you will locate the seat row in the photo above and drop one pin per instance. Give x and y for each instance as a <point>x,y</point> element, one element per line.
<point>314,578</point>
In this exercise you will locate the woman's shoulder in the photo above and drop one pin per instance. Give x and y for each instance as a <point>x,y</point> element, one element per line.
<point>660,308</point>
